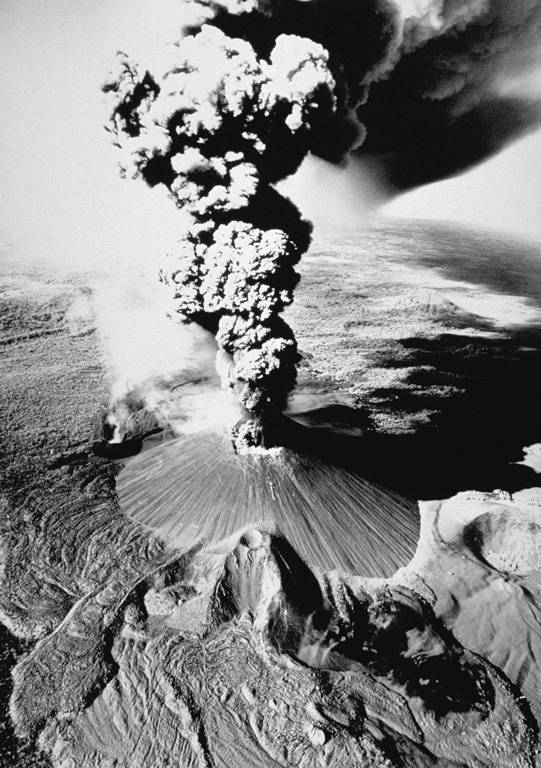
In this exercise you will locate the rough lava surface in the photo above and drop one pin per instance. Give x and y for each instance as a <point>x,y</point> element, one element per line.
<point>135,651</point>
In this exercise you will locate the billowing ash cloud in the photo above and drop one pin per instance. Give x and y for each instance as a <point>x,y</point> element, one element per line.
<point>218,128</point>
<point>431,82</point>
<point>416,87</point>
<point>449,101</point>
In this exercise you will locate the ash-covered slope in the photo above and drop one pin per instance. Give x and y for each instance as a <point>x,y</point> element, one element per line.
<point>481,555</point>
<point>197,490</point>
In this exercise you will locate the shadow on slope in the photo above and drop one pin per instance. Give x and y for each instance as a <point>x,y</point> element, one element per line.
<point>482,399</point>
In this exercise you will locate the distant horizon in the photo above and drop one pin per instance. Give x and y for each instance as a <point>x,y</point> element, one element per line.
<point>503,193</point>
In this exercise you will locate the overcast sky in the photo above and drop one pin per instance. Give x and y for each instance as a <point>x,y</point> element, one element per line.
<point>62,198</point>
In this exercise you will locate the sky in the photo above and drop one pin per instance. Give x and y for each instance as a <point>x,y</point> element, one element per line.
<point>503,193</point>
<point>62,198</point>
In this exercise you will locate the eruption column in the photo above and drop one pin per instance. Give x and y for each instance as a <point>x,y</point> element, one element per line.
<point>418,88</point>
<point>249,94</point>
<point>225,122</point>
<point>219,128</point>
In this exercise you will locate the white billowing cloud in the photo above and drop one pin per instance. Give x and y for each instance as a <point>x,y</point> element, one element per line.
<point>299,68</point>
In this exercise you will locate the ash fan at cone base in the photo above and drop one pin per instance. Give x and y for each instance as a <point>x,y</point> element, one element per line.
<point>218,129</point>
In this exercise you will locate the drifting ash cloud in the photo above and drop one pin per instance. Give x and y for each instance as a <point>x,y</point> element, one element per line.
<point>433,86</point>
<point>455,94</point>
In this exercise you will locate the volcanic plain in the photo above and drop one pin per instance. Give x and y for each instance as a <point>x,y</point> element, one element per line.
<point>421,367</point>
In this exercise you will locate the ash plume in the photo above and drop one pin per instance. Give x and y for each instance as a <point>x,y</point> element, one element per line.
<point>419,90</point>
<point>452,97</point>
<point>218,128</point>
<point>432,87</point>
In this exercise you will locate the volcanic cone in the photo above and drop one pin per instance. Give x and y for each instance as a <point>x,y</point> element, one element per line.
<point>196,489</point>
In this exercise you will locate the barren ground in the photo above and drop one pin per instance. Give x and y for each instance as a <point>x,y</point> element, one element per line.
<point>407,384</point>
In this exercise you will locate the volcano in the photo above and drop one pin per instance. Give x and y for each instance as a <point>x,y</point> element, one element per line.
<point>196,490</point>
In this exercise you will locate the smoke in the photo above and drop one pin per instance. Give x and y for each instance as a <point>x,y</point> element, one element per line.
<point>154,363</point>
<point>433,86</point>
<point>417,90</point>
<point>454,95</point>
<point>218,128</point>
